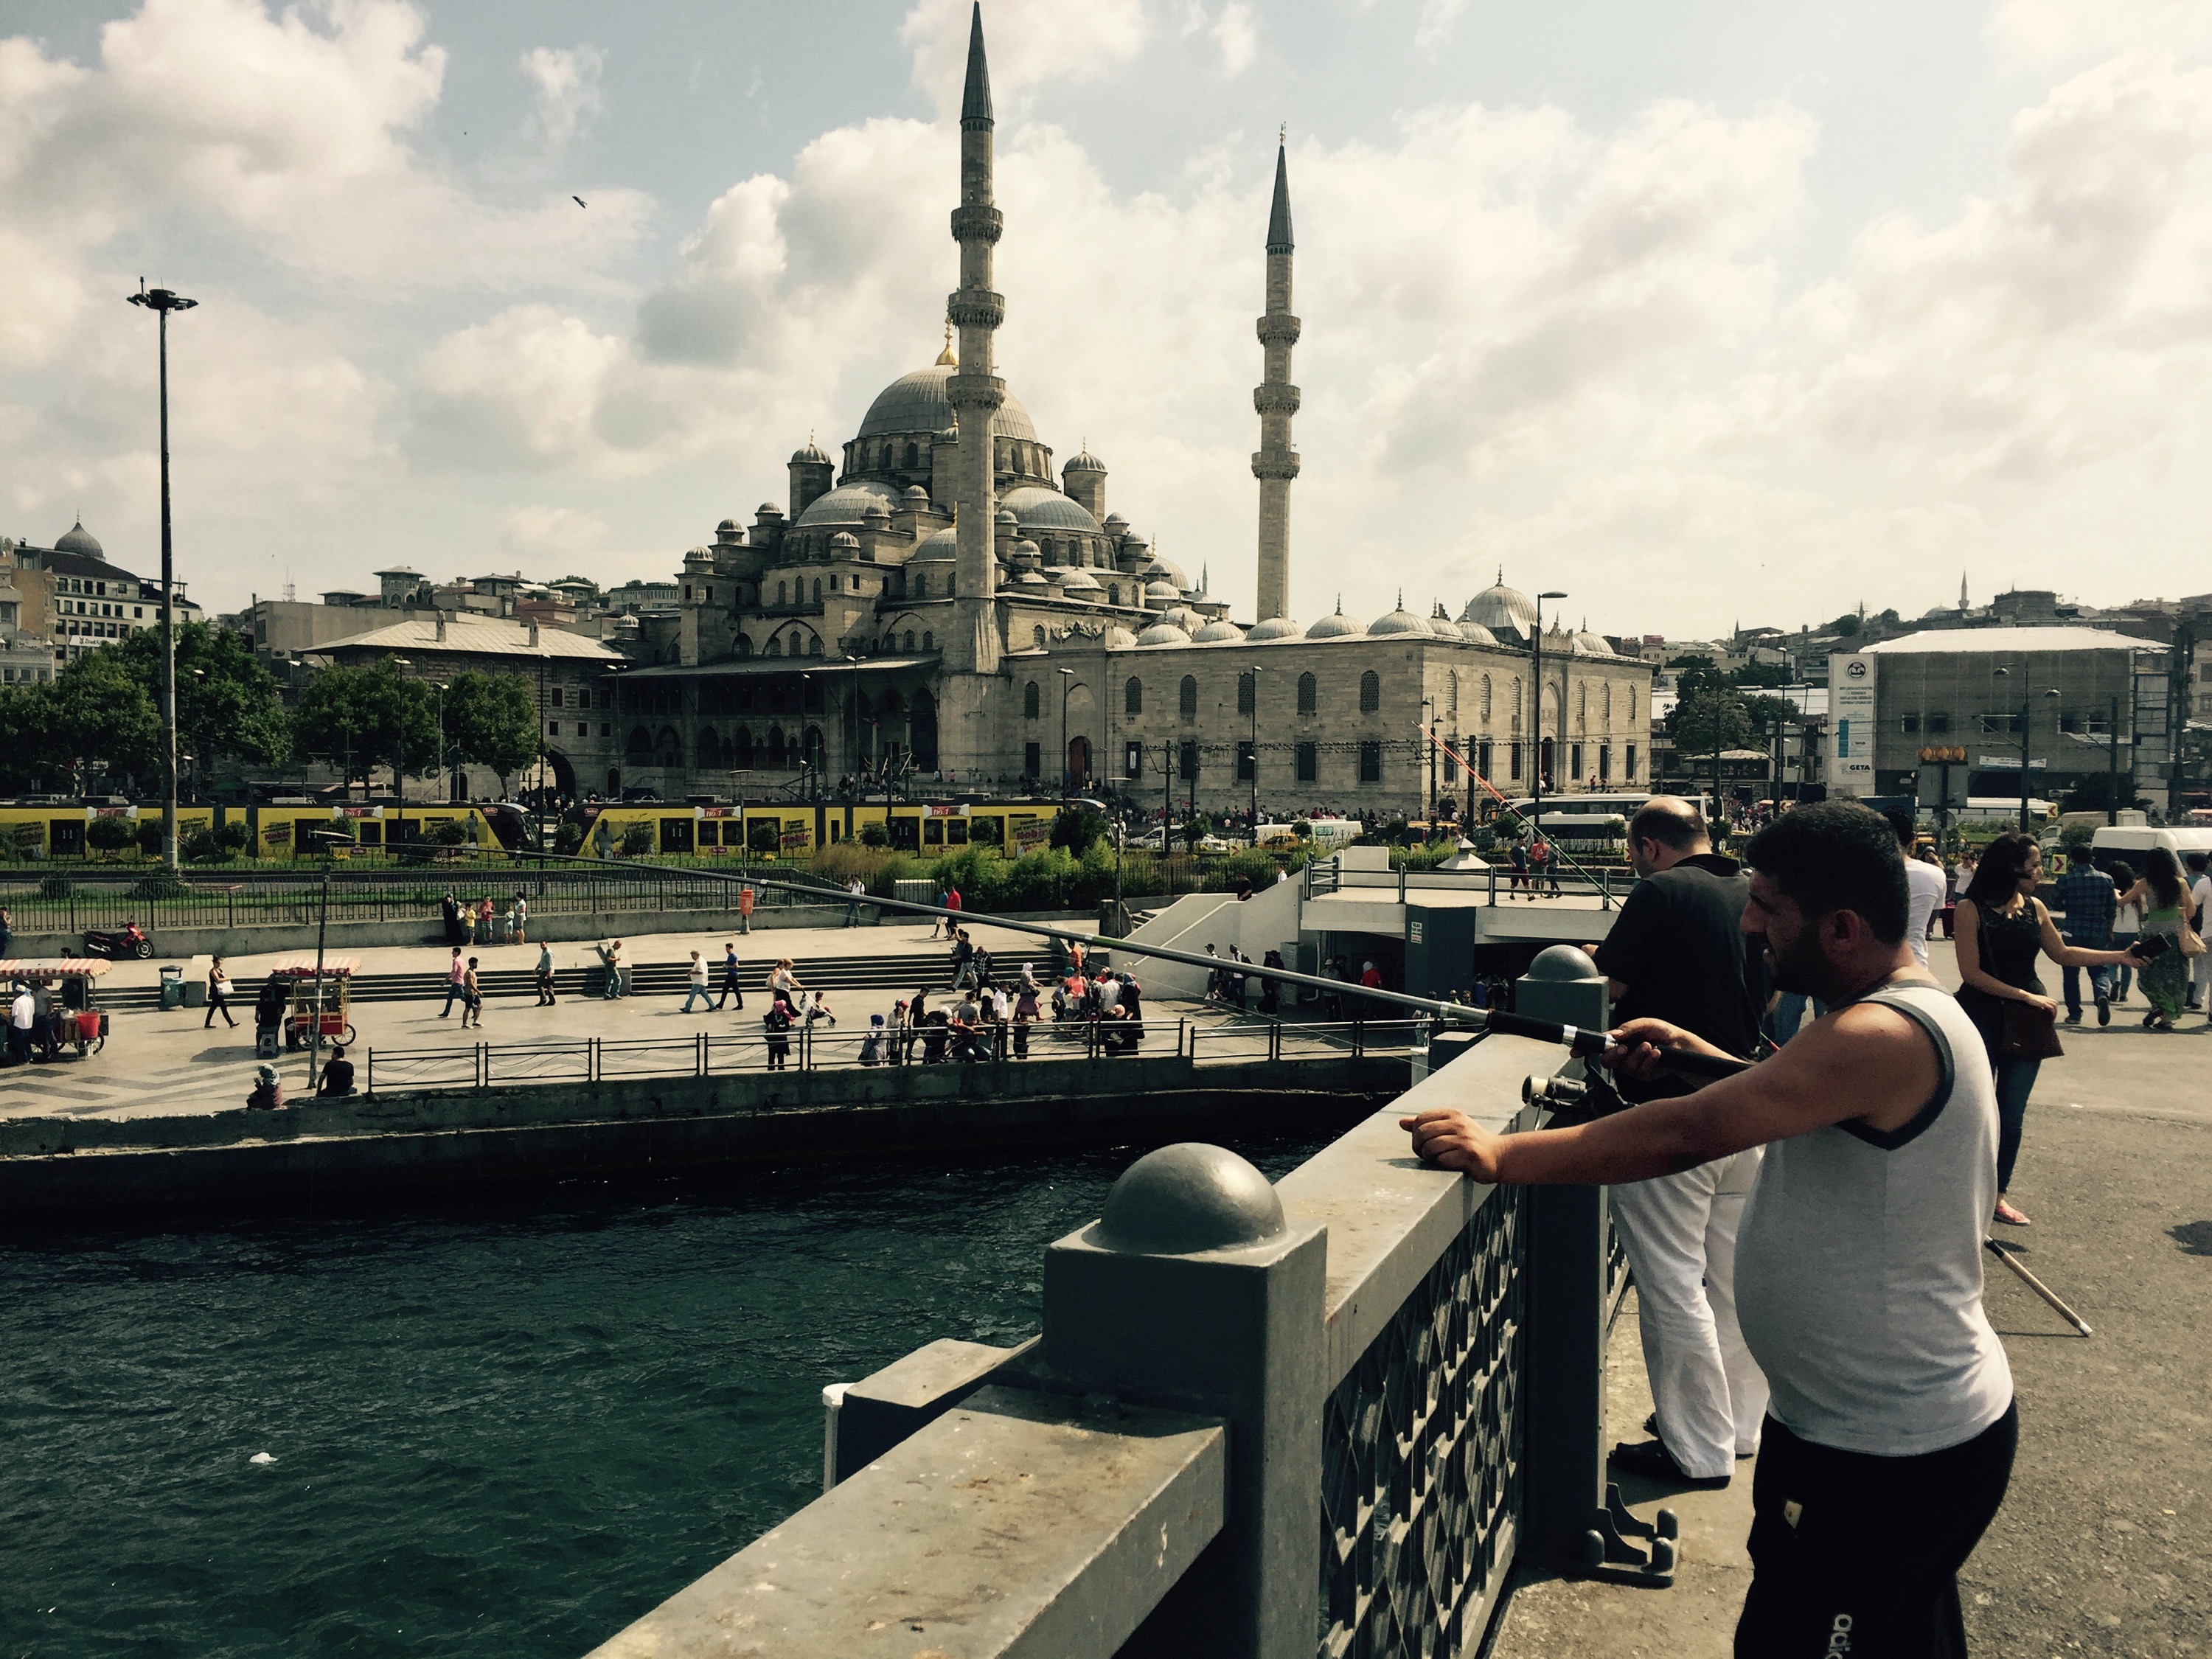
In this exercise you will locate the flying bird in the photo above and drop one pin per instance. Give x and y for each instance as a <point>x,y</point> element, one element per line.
<point>578,200</point>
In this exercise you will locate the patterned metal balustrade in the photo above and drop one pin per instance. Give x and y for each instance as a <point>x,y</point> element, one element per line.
<point>1421,1473</point>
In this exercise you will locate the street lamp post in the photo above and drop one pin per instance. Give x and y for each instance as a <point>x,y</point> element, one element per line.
<point>1255,673</point>
<point>400,667</point>
<point>1067,766</point>
<point>161,301</point>
<point>2027,727</point>
<point>1536,765</point>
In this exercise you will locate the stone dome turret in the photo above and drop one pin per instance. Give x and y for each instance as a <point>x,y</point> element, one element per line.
<point>812,455</point>
<point>1119,638</point>
<point>916,403</point>
<point>1587,644</point>
<point>1401,621</point>
<point>1499,606</point>
<point>78,540</point>
<point>1338,627</point>
<point>1164,632</point>
<point>848,503</point>
<point>876,510</point>
<point>1477,634</point>
<point>1161,592</point>
<point>916,496</point>
<point>844,545</point>
<point>1081,581</point>
<point>1218,630</point>
<point>1275,627</point>
<point>727,527</point>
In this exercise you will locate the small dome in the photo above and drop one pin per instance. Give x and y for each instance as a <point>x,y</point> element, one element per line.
<point>1026,549</point>
<point>1477,634</point>
<point>1085,461</point>
<point>812,455</point>
<point>875,510</point>
<point>1188,1198</point>
<point>846,504</point>
<point>1587,644</point>
<point>916,496</point>
<point>1217,630</point>
<point>844,542</point>
<point>1182,617</point>
<point>728,527</point>
<point>1029,578</point>
<point>1401,621</point>
<point>1163,633</point>
<point>768,510</point>
<point>1119,638</point>
<point>78,540</point>
<point>1499,606</point>
<point>1036,507</point>
<point>1338,627</point>
<point>1115,524</point>
<point>1079,581</point>
<point>1159,570</point>
<point>941,547</point>
<point>1005,519</point>
<point>1166,592</point>
<point>1275,627</point>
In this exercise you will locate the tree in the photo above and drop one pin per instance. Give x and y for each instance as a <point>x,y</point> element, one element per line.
<point>226,700</point>
<point>93,718</point>
<point>360,719</point>
<point>1706,720</point>
<point>1076,827</point>
<point>491,719</point>
<point>1196,830</point>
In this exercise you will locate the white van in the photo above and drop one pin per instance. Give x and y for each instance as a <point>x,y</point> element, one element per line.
<point>2131,841</point>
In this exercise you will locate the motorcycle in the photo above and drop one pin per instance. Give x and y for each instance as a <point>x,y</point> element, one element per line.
<point>117,943</point>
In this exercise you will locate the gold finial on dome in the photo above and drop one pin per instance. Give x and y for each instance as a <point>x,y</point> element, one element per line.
<point>944,358</point>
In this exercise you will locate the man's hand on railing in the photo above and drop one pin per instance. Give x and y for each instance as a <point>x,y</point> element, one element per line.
<point>1449,1139</point>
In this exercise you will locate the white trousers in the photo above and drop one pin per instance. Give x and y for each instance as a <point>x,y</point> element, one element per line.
<point>1679,1231</point>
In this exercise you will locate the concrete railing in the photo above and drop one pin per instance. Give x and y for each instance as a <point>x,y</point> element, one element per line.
<point>1322,1417</point>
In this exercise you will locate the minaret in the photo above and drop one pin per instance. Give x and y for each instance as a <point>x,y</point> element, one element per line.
<point>1275,462</point>
<point>974,391</point>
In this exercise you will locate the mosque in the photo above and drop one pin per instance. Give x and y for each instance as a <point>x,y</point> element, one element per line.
<point>954,612</point>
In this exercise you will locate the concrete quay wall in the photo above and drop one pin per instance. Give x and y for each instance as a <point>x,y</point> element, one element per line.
<point>53,1167</point>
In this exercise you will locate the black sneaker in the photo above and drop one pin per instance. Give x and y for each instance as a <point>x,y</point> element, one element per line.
<point>1651,1459</point>
<point>2074,1018</point>
<point>2103,1011</point>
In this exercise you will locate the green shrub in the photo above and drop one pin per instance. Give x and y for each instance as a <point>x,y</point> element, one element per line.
<point>232,838</point>
<point>874,835</point>
<point>568,840</point>
<point>110,835</point>
<point>201,847</point>
<point>1076,827</point>
<point>150,837</point>
<point>637,840</point>
<point>451,832</point>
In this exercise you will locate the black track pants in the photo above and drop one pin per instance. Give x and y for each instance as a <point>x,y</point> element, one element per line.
<point>1856,1556</point>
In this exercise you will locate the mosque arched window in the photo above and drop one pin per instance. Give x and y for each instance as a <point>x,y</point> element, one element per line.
<point>744,644</point>
<point>1582,706</point>
<point>1030,701</point>
<point>814,646</point>
<point>1451,695</point>
<point>1631,705</point>
<point>1308,695</point>
<point>1486,699</point>
<point>913,456</point>
<point>776,645</point>
<point>710,750</point>
<point>1114,593</point>
<point>776,751</point>
<point>1371,692</point>
<point>1036,636</point>
<point>1605,697</point>
<point>780,598</point>
<point>1187,698</point>
<point>909,639</point>
<point>1248,692</point>
<point>1133,696</point>
<point>741,749</point>
<point>817,590</point>
<point>928,643</point>
<point>1516,706</point>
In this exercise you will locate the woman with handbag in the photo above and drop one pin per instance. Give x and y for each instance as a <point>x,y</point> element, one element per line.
<point>2001,927</point>
<point>2168,913</point>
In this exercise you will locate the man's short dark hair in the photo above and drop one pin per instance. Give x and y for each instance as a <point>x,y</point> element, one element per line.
<point>1907,831</point>
<point>1836,855</point>
<point>1670,822</point>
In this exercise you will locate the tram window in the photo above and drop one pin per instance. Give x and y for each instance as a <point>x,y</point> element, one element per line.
<point>955,832</point>
<point>933,832</point>
<point>369,833</point>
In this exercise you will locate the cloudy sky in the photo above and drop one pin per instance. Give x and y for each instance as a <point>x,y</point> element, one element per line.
<point>1702,311</point>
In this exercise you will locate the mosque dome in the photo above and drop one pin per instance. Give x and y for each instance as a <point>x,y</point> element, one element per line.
<point>1587,644</point>
<point>1160,569</point>
<point>1085,461</point>
<point>1338,627</point>
<point>846,504</point>
<point>1079,581</point>
<point>1163,633</point>
<point>812,455</point>
<point>915,495</point>
<point>1116,524</point>
<point>1165,591</point>
<point>727,527</point>
<point>941,548</point>
<point>1119,638</point>
<point>1219,630</point>
<point>768,510</point>
<point>875,510</point>
<point>1036,507</point>
<point>1275,627</point>
<point>78,540</point>
<point>1477,633</point>
<point>844,542</point>
<point>1182,617</point>
<point>917,402</point>
<point>1401,621</point>
<point>1499,606</point>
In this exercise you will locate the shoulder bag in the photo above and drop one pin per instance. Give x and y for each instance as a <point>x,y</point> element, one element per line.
<point>2030,1033</point>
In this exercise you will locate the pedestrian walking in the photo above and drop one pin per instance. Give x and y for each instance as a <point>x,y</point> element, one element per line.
<point>696,984</point>
<point>616,960</point>
<point>546,999</point>
<point>2127,925</point>
<point>457,973</point>
<point>218,995</point>
<point>859,890</point>
<point>1892,1430</point>
<point>1519,880</point>
<point>783,980</point>
<point>472,997</point>
<point>2089,901</point>
<point>1924,886</point>
<point>730,987</point>
<point>2168,913</point>
<point>2200,900</point>
<point>964,960</point>
<point>1271,990</point>
<point>521,912</point>
<point>1677,953</point>
<point>22,1020</point>
<point>2002,928</point>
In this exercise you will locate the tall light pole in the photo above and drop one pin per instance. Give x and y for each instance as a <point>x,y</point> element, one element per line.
<point>1255,673</point>
<point>400,667</point>
<point>1536,769</point>
<point>2027,726</point>
<point>161,301</point>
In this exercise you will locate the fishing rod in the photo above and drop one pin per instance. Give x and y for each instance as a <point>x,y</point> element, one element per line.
<point>1584,1043</point>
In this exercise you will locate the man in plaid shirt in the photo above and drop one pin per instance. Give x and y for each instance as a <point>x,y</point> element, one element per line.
<point>2088,897</point>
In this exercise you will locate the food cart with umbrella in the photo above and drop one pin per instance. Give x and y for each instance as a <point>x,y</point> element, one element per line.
<point>72,1017</point>
<point>319,1006</point>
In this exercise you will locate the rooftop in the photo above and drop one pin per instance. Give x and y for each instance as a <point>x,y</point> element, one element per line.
<point>1988,642</point>
<point>477,636</point>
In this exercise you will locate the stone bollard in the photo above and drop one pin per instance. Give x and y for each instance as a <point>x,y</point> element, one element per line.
<point>1192,1291</point>
<point>1563,984</point>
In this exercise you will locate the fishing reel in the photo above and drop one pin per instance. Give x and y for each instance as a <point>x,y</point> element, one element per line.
<point>1571,1100</point>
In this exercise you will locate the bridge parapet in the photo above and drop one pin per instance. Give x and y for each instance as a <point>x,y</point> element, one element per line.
<point>1400,1369</point>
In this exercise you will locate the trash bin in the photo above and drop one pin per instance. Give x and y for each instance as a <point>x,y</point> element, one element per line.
<point>172,987</point>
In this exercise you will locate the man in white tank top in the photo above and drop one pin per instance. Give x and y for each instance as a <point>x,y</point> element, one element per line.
<point>1890,1436</point>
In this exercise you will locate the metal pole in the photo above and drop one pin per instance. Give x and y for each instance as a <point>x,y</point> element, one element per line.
<point>2112,766</point>
<point>1255,758</point>
<point>2026,725</point>
<point>168,629</point>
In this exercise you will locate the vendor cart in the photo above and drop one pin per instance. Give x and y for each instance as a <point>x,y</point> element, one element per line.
<point>69,1015</point>
<point>317,1010</point>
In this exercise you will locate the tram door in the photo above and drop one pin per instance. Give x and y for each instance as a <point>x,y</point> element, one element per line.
<point>676,835</point>
<point>65,837</point>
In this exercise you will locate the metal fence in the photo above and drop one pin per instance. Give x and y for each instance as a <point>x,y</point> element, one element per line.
<point>1494,884</point>
<point>299,902</point>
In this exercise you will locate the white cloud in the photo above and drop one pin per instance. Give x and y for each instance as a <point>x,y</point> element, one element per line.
<point>2046,35</point>
<point>1434,26</point>
<point>1030,42</point>
<point>540,533</point>
<point>565,90</point>
<point>1237,33</point>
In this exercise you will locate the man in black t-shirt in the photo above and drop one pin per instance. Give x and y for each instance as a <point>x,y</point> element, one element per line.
<point>1676,952</point>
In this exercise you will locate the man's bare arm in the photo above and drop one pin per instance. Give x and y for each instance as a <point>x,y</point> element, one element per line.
<point>1865,1063</point>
